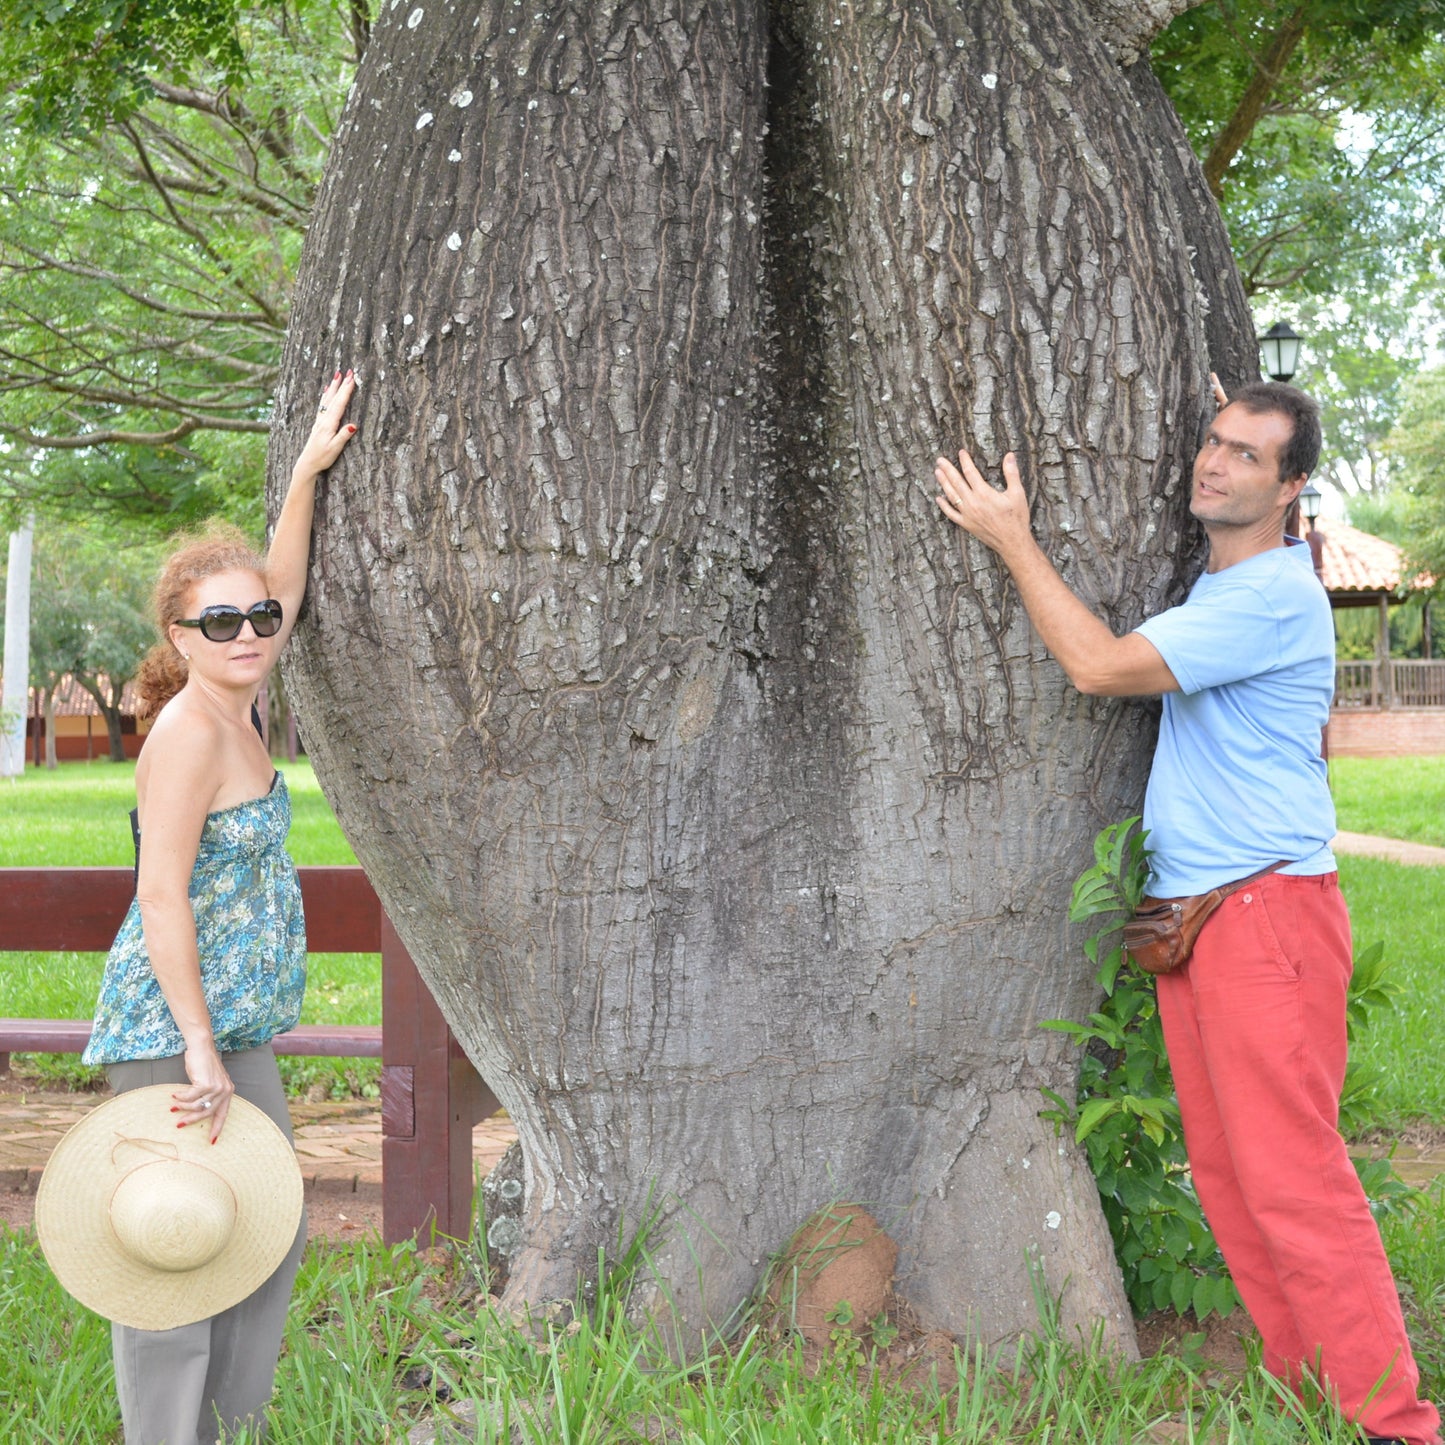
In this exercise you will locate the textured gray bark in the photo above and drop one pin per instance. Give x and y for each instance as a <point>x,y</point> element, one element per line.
<point>1126,27</point>
<point>719,789</point>
<point>1228,323</point>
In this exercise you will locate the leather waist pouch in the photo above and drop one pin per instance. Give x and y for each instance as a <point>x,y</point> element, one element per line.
<point>1162,933</point>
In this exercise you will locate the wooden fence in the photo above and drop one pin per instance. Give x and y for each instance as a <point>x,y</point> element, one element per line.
<point>1402,683</point>
<point>430,1094</point>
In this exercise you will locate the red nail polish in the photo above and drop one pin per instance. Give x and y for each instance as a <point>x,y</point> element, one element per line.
<point>181,1125</point>
<point>351,429</point>
<point>175,1109</point>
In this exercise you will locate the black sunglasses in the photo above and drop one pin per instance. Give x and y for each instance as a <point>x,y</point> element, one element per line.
<point>223,621</point>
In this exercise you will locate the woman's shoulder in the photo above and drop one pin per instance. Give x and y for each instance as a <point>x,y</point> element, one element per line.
<point>186,743</point>
<point>184,725</point>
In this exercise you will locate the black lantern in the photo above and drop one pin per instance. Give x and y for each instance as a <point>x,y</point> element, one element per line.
<point>1280,345</point>
<point>1309,503</point>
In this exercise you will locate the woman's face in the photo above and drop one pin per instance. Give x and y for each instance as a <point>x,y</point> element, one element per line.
<point>245,660</point>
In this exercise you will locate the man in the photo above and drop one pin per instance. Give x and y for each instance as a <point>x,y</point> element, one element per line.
<point>1255,1022</point>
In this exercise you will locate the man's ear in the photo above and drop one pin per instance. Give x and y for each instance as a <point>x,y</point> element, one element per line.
<point>1293,487</point>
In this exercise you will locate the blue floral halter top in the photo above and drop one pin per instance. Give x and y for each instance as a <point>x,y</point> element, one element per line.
<point>250,933</point>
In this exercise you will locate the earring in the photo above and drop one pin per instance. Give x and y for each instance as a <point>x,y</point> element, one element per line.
<point>186,656</point>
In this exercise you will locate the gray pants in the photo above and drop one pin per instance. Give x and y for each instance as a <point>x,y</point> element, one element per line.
<point>179,1387</point>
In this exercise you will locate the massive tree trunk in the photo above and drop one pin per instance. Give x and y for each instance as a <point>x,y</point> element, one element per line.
<point>719,788</point>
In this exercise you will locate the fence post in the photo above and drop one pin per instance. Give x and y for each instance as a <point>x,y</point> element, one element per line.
<point>431,1096</point>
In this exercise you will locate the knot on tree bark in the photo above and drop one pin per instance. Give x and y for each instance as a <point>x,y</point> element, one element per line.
<point>1127,26</point>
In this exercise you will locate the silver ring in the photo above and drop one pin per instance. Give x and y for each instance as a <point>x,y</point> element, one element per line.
<point>321,408</point>
<point>205,1103</point>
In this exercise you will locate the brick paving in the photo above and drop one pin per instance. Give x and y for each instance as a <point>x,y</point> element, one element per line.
<point>337,1142</point>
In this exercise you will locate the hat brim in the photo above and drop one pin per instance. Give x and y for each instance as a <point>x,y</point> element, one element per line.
<point>72,1220</point>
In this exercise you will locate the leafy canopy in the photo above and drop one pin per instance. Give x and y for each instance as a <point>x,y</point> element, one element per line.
<point>158,163</point>
<point>76,66</point>
<point>1418,443</point>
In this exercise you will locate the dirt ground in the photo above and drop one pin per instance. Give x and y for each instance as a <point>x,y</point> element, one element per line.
<point>333,1211</point>
<point>329,1216</point>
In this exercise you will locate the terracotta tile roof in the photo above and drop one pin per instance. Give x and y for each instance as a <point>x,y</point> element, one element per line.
<point>1355,561</point>
<point>72,700</point>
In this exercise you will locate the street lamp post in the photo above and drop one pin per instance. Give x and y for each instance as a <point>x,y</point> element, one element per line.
<point>1280,345</point>
<point>1309,505</point>
<point>1309,501</point>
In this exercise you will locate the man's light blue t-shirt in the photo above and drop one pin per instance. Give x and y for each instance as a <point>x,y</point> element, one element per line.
<point>1238,782</point>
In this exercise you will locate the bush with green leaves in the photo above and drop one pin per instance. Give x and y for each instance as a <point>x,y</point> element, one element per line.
<point>1126,1115</point>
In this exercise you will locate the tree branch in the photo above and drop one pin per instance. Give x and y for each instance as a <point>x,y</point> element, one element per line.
<point>194,232</point>
<point>1241,123</point>
<point>105,438</point>
<point>97,273</point>
<point>232,111</point>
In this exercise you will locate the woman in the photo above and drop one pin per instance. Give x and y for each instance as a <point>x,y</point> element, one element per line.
<point>210,963</point>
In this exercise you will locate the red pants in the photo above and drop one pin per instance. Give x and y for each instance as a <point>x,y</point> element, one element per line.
<point>1255,1028</point>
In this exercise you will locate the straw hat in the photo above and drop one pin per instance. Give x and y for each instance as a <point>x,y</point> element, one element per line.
<point>153,1226</point>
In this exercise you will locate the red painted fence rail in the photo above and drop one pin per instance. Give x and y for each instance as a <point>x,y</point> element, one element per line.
<point>430,1094</point>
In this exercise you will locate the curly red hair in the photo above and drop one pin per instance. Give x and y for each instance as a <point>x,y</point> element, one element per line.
<point>220,548</point>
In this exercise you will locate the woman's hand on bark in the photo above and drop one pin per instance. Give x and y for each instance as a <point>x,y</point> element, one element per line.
<point>330,432</point>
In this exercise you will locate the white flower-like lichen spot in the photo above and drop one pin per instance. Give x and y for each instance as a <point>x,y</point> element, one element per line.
<point>414,19</point>
<point>454,156</point>
<point>1053,1219</point>
<point>990,80</point>
<point>424,120</point>
<point>454,242</point>
<point>461,98</point>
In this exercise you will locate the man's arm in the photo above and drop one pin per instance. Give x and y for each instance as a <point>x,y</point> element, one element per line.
<point>1096,661</point>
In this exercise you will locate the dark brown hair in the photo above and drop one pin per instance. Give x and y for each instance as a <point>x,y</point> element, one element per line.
<point>1302,453</point>
<point>220,548</point>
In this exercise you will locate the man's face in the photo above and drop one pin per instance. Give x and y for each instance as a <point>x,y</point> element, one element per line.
<point>1236,474</point>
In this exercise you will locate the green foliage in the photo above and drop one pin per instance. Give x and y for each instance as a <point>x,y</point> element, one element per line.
<point>1357,632</point>
<point>1380,513</point>
<point>1319,173</point>
<point>1418,444</point>
<point>89,618</point>
<point>1360,352</point>
<point>1415,1241</point>
<point>1125,1113</point>
<point>379,1339</point>
<point>1322,194</point>
<point>77,65</point>
<point>1126,1116</point>
<point>158,161</point>
<point>88,605</point>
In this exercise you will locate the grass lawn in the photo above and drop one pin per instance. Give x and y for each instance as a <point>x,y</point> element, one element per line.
<point>377,1338</point>
<point>77,817</point>
<point>1405,909</point>
<point>1393,797</point>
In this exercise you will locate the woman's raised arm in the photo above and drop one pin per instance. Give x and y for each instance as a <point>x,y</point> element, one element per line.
<point>291,541</point>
